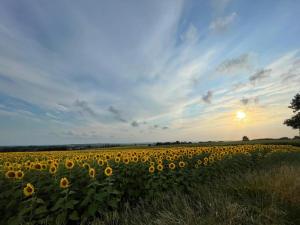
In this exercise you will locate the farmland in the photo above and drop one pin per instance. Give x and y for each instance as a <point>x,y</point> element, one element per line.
<point>233,184</point>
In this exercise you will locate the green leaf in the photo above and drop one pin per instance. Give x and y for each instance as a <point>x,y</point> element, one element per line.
<point>40,210</point>
<point>100,196</point>
<point>39,201</point>
<point>92,209</point>
<point>25,210</point>
<point>70,204</point>
<point>58,204</point>
<point>74,215</point>
<point>61,218</point>
<point>85,201</point>
<point>113,203</point>
<point>16,220</point>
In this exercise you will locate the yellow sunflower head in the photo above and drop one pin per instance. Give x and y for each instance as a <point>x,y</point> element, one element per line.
<point>28,190</point>
<point>7,164</point>
<point>69,164</point>
<point>172,166</point>
<point>160,167</point>
<point>92,172</point>
<point>108,171</point>
<point>37,166</point>
<point>135,159</point>
<point>117,159</point>
<point>86,166</point>
<point>151,169</point>
<point>101,162</point>
<point>52,169</point>
<point>181,164</point>
<point>10,174</point>
<point>126,160</point>
<point>64,183</point>
<point>19,174</point>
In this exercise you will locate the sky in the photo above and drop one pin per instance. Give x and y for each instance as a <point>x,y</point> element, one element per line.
<point>146,71</point>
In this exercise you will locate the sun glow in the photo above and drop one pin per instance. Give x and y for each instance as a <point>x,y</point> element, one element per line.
<point>240,115</point>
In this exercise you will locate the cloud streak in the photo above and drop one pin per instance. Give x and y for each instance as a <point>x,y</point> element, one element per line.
<point>116,113</point>
<point>207,97</point>
<point>260,75</point>
<point>221,24</point>
<point>237,64</point>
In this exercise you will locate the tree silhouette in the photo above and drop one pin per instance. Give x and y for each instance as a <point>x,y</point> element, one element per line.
<point>294,122</point>
<point>245,138</point>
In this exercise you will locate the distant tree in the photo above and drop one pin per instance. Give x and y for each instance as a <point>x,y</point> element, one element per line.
<point>245,138</point>
<point>294,121</point>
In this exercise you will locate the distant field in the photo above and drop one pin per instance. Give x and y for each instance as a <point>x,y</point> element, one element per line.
<point>224,183</point>
<point>294,142</point>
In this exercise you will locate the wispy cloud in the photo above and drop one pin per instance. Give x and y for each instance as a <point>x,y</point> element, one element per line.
<point>260,75</point>
<point>221,24</point>
<point>233,65</point>
<point>207,97</point>
<point>84,108</point>
<point>246,101</point>
<point>191,35</point>
<point>116,113</point>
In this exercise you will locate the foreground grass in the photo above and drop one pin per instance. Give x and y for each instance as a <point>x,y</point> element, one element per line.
<point>269,194</point>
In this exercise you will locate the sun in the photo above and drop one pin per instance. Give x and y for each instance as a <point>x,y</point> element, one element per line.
<point>240,115</point>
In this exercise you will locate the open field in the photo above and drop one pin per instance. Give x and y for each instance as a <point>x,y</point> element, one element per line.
<point>241,184</point>
<point>293,142</point>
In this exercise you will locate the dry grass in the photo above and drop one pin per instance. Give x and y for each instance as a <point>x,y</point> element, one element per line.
<point>259,197</point>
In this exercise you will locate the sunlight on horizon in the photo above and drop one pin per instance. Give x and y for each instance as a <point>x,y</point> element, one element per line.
<point>241,115</point>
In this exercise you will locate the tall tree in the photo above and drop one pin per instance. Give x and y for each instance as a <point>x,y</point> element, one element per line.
<point>294,122</point>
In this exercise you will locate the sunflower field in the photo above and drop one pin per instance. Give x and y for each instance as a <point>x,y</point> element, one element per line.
<point>75,186</point>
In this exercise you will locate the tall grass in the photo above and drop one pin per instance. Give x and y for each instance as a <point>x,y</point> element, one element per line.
<point>268,195</point>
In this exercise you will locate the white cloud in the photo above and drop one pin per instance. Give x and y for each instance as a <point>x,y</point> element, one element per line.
<point>222,23</point>
<point>191,35</point>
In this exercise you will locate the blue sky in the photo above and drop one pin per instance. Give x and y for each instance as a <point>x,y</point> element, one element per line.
<point>142,71</point>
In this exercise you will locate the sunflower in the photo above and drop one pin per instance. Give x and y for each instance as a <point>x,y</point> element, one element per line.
<point>126,160</point>
<point>181,164</point>
<point>69,164</point>
<point>92,172</point>
<point>64,183</point>
<point>10,174</point>
<point>27,164</point>
<point>108,171</point>
<point>117,159</point>
<point>172,166</point>
<point>37,166</point>
<point>44,166</point>
<point>19,174</point>
<point>52,169</point>
<point>135,159</point>
<point>86,166</point>
<point>151,169</point>
<point>101,162</point>
<point>160,167</point>
<point>28,190</point>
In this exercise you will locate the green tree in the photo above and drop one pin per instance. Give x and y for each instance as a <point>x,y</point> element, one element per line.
<point>294,122</point>
<point>245,138</point>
